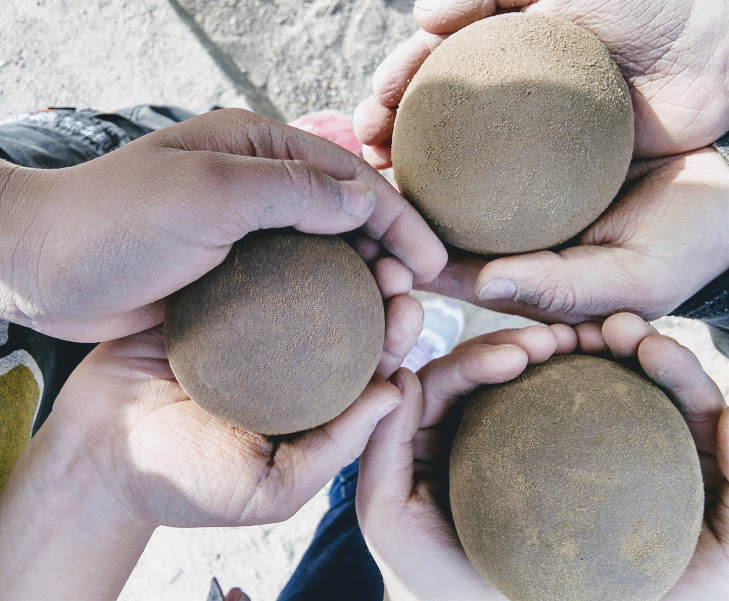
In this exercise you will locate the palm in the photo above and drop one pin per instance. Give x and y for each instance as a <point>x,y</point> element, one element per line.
<point>174,464</point>
<point>678,88</point>
<point>671,53</point>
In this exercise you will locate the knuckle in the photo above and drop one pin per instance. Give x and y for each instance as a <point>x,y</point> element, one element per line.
<point>554,296</point>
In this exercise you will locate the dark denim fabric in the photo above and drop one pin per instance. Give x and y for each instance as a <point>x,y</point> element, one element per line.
<point>711,304</point>
<point>337,565</point>
<point>64,137</point>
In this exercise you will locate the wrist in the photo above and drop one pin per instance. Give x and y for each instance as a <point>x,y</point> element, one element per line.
<point>61,529</point>
<point>18,238</point>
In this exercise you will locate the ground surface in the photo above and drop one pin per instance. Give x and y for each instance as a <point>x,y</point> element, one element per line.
<point>280,57</point>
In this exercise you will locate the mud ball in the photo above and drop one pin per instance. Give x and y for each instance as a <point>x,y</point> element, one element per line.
<point>578,481</point>
<point>514,135</point>
<point>282,336</point>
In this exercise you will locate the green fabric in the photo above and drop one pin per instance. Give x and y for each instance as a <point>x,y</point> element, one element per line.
<point>19,399</point>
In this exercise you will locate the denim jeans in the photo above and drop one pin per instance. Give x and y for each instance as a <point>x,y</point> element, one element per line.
<point>337,565</point>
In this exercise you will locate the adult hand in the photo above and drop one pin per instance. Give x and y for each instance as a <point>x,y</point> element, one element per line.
<point>658,244</point>
<point>125,450</point>
<point>678,372</point>
<point>88,252</point>
<point>672,53</point>
<point>401,495</point>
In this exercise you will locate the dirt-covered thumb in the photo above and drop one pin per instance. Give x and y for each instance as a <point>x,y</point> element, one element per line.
<point>580,284</point>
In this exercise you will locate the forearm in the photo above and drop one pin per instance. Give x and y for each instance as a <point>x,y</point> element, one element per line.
<point>19,239</point>
<point>61,536</point>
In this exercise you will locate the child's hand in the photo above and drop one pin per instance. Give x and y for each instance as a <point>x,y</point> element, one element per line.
<point>125,450</point>
<point>402,500</point>
<point>88,252</point>
<point>401,496</point>
<point>677,371</point>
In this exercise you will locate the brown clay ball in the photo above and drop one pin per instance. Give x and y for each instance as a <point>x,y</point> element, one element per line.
<point>578,481</point>
<point>514,135</point>
<point>282,336</point>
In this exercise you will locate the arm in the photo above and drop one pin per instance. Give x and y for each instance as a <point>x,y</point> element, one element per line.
<point>125,450</point>
<point>62,535</point>
<point>100,244</point>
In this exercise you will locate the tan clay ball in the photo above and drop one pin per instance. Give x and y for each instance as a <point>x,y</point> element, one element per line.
<point>282,336</point>
<point>514,135</point>
<point>578,481</point>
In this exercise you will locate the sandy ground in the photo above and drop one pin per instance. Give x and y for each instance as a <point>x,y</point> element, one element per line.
<point>282,58</point>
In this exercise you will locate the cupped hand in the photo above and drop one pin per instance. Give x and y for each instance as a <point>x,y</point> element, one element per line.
<point>402,496</point>
<point>173,464</point>
<point>672,53</point>
<point>678,372</point>
<point>125,450</point>
<point>659,243</point>
<point>91,250</point>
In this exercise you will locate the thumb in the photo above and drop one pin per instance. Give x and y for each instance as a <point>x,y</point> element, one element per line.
<point>577,284</point>
<point>386,468</point>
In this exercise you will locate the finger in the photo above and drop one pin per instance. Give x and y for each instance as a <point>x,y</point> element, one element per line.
<point>283,169</point>
<point>458,279</point>
<point>580,283</point>
<point>590,339</point>
<point>539,342</point>
<point>430,444</point>
<point>235,594</point>
<point>380,156</point>
<point>447,379</point>
<point>679,374</point>
<point>623,333</point>
<point>391,78</point>
<point>403,323</point>
<point>373,122</point>
<point>566,338</point>
<point>306,463</point>
<point>386,467</point>
<point>366,247</point>
<point>392,276</point>
<point>447,16</point>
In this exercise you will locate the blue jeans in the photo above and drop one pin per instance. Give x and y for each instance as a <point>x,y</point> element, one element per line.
<point>337,565</point>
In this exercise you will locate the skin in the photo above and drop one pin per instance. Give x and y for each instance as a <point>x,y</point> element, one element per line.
<point>402,495</point>
<point>158,213</point>
<point>665,236</point>
<point>125,450</point>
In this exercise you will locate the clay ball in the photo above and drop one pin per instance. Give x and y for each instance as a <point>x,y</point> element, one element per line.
<point>578,481</point>
<point>514,135</point>
<point>282,336</point>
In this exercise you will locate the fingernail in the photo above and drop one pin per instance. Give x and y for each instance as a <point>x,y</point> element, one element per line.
<point>498,289</point>
<point>359,198</point>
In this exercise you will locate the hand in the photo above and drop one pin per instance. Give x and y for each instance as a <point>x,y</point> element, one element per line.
<point>678,372</point>
<point>659,243</point>
<point>401,499</point>
<point>671,52</point>
<point>401,496</point>
<point>90,250</point>
<point>125,450</point>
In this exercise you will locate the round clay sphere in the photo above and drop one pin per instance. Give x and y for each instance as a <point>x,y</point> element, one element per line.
<point>578,481</point>
<point>282,336</point>
<point>514,135</point>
